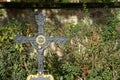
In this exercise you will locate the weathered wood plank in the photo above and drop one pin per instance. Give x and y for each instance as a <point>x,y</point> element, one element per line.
<point>34,5</point>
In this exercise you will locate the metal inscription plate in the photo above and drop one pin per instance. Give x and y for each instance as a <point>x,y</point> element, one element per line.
<point>40,78</point>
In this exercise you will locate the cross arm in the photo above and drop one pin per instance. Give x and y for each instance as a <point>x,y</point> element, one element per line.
<point>19,39</point>
<point>59,40</point>
<point>40,19</point>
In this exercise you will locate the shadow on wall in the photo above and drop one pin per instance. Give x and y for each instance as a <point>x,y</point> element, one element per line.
<point>61,16</point>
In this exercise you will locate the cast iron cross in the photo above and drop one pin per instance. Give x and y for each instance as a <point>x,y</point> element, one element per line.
<point>40,41</point>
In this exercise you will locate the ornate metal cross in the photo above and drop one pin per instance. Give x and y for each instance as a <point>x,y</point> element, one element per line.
<point>40,41</point>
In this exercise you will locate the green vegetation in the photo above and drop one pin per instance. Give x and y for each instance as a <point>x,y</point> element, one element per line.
<point>91,52</point>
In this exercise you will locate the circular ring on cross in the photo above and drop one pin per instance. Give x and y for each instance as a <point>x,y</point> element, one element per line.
<point>40,39</point>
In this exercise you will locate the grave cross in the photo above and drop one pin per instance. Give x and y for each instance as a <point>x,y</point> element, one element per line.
<point>40,41</point>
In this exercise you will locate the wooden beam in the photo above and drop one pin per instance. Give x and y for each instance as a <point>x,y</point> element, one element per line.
<point>33,5</point>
